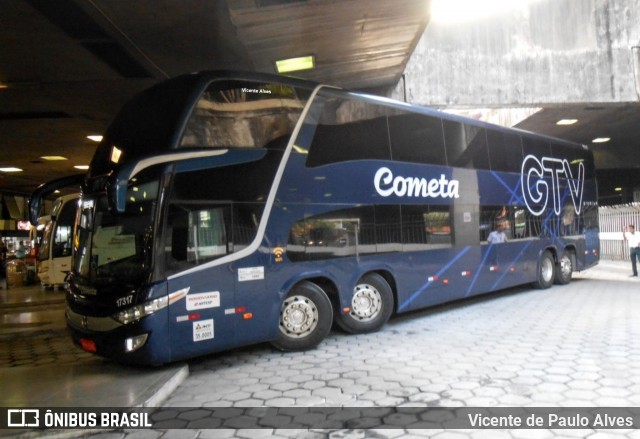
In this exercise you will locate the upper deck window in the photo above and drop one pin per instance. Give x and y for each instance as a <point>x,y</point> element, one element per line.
<point>244,114</point>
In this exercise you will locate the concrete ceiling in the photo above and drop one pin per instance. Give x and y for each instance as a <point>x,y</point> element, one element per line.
<point>69,65</point>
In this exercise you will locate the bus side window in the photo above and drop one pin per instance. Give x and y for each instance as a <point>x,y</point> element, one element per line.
<point>505,151</point>
<point>536,147</point>
<point>417,138</point>
<point>388,228</point>
<point>349,129</point>
<point>197,234</point>
<point>339,233</point>
<point>425,227</point>
<point>466,145</point>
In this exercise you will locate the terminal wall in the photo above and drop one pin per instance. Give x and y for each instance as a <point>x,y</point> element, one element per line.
<point>549,51</point>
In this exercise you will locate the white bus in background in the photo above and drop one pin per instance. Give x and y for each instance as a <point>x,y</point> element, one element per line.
<point>54,255</point>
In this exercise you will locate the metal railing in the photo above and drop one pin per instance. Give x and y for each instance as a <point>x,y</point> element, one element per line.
<point>612,220</point>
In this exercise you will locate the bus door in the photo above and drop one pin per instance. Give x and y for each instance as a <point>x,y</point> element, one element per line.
<point>202,286</point>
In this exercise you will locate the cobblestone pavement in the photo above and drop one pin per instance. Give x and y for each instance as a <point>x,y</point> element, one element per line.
<point>568,346</point>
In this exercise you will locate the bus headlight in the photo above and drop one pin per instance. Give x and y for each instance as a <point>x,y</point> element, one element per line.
<point>133,343</point>
<point>137,312</point>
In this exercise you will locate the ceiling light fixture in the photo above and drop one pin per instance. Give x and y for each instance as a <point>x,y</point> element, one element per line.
<point>10,169</point>
<point>295,64</point>
<point>53,157</point>
<point>566,121</point>
<point>601,140</point>
<point>82,167</point>
<point>95,138</point>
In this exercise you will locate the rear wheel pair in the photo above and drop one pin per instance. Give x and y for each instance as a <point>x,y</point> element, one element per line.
<point>550,272</point>
<point>306,315</point>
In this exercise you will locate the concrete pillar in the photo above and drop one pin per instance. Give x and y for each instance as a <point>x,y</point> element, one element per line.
<point>546,52</point>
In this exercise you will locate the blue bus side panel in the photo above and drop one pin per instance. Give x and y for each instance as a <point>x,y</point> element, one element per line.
<point>199,321</point>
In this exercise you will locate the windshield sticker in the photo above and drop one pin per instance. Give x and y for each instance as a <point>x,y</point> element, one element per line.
<point>203,330</point>
<point>250,273</point>
<point>203,300</point>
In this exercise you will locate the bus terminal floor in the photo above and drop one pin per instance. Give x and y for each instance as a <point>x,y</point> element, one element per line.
<point>569,346</point>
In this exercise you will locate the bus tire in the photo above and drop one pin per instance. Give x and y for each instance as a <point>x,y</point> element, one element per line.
<point>371,305</point>
<point>565,267</point>
<point>546,271</point>
<point>305,319</point>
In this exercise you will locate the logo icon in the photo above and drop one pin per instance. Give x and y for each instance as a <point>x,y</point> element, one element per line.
<point>278,252</point>
<point>23,418</point>
<point>543,179</point>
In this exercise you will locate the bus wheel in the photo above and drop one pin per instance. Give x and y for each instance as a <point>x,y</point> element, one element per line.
<point>371,305</point>
<point>546,271</point>
<point>305,318</point>
<point>564,269</point>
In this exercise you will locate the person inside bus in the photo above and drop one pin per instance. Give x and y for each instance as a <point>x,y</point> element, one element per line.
<point>633,240</point>
<point>498,236</point>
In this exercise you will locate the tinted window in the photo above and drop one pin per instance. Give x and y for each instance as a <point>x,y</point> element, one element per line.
<point>349,130</point>
<point>505,151</point>
<point>340,233</point>
<point>388,229</point>
<point>537,147</point>
<point>417,138</point>
<point>240,182</point>
<point>574,155</point>
<point>369,230</point>
<point>466,145</point>
<point>425,227</point>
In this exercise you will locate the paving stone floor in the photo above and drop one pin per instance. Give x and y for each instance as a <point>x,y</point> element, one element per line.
<point>568,346</point>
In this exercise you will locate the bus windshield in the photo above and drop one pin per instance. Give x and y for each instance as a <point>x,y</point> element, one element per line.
<point>116,249</point>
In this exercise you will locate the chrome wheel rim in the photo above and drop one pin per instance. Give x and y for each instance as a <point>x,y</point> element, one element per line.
<point>547,269</point>
<point>565,266</point>
<point>366,303</point>
<point>298,317</point>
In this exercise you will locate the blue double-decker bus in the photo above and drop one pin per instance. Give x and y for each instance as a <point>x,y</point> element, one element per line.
<point>223,209</point>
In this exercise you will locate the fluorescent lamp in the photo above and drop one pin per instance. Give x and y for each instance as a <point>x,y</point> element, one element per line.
<point>115,154</point>
<point>566,121</point>
<point>82,167</point>
<point>95,138</point>
<point>618,189</point>
<point>53,157</point>
<point>10,169</point>
<point>601,139</point>
<point>295,64</point>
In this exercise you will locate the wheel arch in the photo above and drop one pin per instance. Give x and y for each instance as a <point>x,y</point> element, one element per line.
<point>391,280</point>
